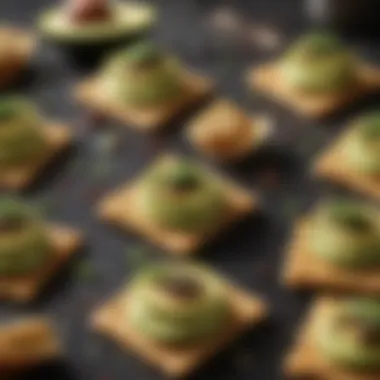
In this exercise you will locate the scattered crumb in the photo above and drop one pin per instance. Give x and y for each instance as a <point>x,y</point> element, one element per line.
<point>226,20</point>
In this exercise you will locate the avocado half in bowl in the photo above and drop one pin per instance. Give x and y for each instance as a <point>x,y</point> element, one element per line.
<point>89,29</point>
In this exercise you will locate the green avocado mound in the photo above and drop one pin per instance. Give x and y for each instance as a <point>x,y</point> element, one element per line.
<point>180,196</point>
<point>142,76</point>
<point>350,338</point>
<point>177,303</point>
<point>121,21</point>
<point>346,234</point>
<point>20,138</point>
<point>362,151</point>
<point>318,63</point>
<point>24,246</point>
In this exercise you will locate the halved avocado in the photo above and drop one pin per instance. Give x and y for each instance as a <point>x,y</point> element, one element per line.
<point>93,38</point>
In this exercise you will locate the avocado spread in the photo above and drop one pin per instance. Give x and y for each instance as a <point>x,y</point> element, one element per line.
<point>177,303</point>
<point>142,76</point>
<point>24,245</point>
<point>350,337</point>
<point>346,233</point>
<point>21,139</point>
<point>181,196</point>
<point>318,63</point>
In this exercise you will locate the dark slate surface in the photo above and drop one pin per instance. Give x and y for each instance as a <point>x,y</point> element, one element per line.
<point>251,254</point>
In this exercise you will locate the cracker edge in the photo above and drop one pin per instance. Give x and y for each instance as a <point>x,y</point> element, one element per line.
<point>366,86</point>
<point>25,289</point>
<point>21,177</point>
<point>102,322</point>
<point>105,211</point>
<point>85,92</point>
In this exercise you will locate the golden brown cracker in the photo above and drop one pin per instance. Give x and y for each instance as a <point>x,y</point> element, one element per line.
<point>119,208</point>
<point>267,78</point>
<point>17,178</point>
<point>247,310</point>
<point>146,119</point>
<point>258,129</point>
<point>65,242</point>
<point>305,361</point>
<point>27,342</point>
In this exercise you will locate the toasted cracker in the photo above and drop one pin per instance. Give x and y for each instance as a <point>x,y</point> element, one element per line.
<point>267,78</point>
<point>305,361</point>
<point>17,178</point>
<point>25,288</point>
<point>332,166</point>
<point>247,310</point>
<point>119,208</point>
<point>259,129</point>
<point>11,69</point>
<point>305,270</point>
<point>146,119</point>
<point>27,342</point>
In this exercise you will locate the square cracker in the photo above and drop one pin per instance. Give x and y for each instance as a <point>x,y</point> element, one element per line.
<point>260,126</point>
<point>305,361</point>
<point>36,338</point>
<point>307,271</point>
<point>267,78</point>
<point>145,119</point>
<point>331,166</point>
<point>17,178</point>
<point>23,49</point>
<point>247,310</point>
<point>65,242</point>
<point>119,208</point>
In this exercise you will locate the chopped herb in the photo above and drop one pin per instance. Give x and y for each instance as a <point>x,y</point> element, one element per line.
<point>86,271</point>
<point>138,256</point>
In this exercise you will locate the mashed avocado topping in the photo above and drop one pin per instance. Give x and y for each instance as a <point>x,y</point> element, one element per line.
<point>181,196</point>
<point>177,303</point>
<point>21,139</point>
<point>345,233</point>
<point>350,337</point>
<point>362,151</point>
<point>142,76</point>
<point>24,246</point>
<point>318,63</point>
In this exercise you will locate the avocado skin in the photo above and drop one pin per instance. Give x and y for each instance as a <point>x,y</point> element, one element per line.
<point>178,322</point>
<point>25,250</point>
<point>344,349</point>
<point>89,51</point>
